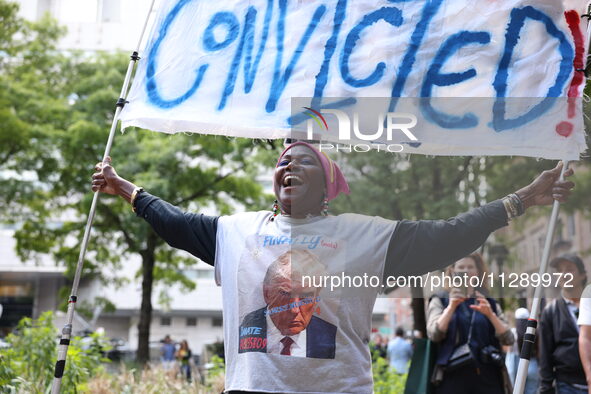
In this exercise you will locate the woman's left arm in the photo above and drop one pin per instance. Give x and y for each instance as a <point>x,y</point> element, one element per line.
<point>497,319</point>
<point>422,246</point>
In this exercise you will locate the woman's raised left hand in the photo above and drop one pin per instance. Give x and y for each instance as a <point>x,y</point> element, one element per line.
<point>547,187</point>
<point>482,305</point>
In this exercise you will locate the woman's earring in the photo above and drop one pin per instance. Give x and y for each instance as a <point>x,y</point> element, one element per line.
<point>325,207</point>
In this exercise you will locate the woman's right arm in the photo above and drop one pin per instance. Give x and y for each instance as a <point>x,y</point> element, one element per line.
<point>195,233</point>
<point>439,317</point>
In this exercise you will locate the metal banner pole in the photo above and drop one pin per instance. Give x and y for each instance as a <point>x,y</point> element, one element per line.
<point>532,323</point>
<point>67,330</point>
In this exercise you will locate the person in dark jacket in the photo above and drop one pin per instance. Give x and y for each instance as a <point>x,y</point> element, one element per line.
<point>241,246</point>
<point>464,315</point>
<point>561,371</point>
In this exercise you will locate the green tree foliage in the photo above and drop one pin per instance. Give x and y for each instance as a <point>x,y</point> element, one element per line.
<point>31,103</point>
<point>410,187</point>
<point>27,365</point>
<point>56,113</point>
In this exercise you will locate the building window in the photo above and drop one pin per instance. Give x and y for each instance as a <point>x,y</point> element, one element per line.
<point>77,11</point>
<point>165,321</point>
<point>559,236</point>
<point>110,11</point>
<point>541,242</point>
<point>571,227</point>
<point>191,321</point>
<point>216,322</point>
<point>205,274</point>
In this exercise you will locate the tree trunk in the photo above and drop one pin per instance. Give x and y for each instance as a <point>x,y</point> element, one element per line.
<point>418,310</point>
<point>148,260</point>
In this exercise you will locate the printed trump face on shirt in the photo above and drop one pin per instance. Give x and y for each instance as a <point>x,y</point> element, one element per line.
<point>288,324</point>
<point>290,305</point>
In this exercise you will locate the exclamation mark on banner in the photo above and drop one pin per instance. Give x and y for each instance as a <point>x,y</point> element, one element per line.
<point>573,19</point>
<point>566,128</point>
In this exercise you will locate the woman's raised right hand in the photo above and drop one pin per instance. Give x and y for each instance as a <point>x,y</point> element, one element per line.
<point>456,297</point>
<point>105,179</point>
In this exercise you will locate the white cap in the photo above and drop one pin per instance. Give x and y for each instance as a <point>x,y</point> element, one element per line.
<point>522,313</point>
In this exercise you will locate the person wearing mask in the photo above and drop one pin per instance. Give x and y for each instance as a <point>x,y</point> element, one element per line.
<point>561,371</point>
<point>470,329</point>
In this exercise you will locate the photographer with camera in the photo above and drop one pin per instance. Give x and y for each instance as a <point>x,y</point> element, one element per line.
<point>469,329</point>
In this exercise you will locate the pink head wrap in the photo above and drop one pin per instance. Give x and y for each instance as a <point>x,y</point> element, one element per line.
<point>334,178</point>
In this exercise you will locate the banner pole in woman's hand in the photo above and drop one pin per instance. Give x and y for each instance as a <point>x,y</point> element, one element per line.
<point>67,330</point>
<point>532,323</point>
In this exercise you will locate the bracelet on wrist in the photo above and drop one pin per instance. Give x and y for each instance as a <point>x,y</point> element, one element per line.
<point>513,206</point>
<point>134,195</point>
<point>518,203</point>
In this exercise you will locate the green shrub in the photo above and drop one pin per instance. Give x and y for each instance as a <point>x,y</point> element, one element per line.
<point>28,365</point>
<point>385,380</point>
<point>152,379</point>
<point>218,366</point>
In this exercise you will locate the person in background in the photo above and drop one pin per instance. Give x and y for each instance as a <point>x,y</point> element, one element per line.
<point>399,352</point>
<point>167,353</point>
<point>379,346</point>
<point>465,316</point>
<point>561,371</point>
<point>585,333</point>
<point>512,352</point>
<point>183,355</point>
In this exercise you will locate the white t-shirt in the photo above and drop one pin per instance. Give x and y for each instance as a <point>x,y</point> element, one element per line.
<point>585,307</point>
<point>330,352</point>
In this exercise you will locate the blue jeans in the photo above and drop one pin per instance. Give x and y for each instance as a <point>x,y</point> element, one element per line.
<point>186,371</point>
<point>532,383</point>
<point>566,388</point>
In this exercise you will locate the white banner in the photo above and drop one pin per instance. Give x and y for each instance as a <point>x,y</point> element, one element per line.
<point>231,67</point>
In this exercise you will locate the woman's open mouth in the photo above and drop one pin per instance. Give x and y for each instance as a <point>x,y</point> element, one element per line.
<point>292,180</point>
